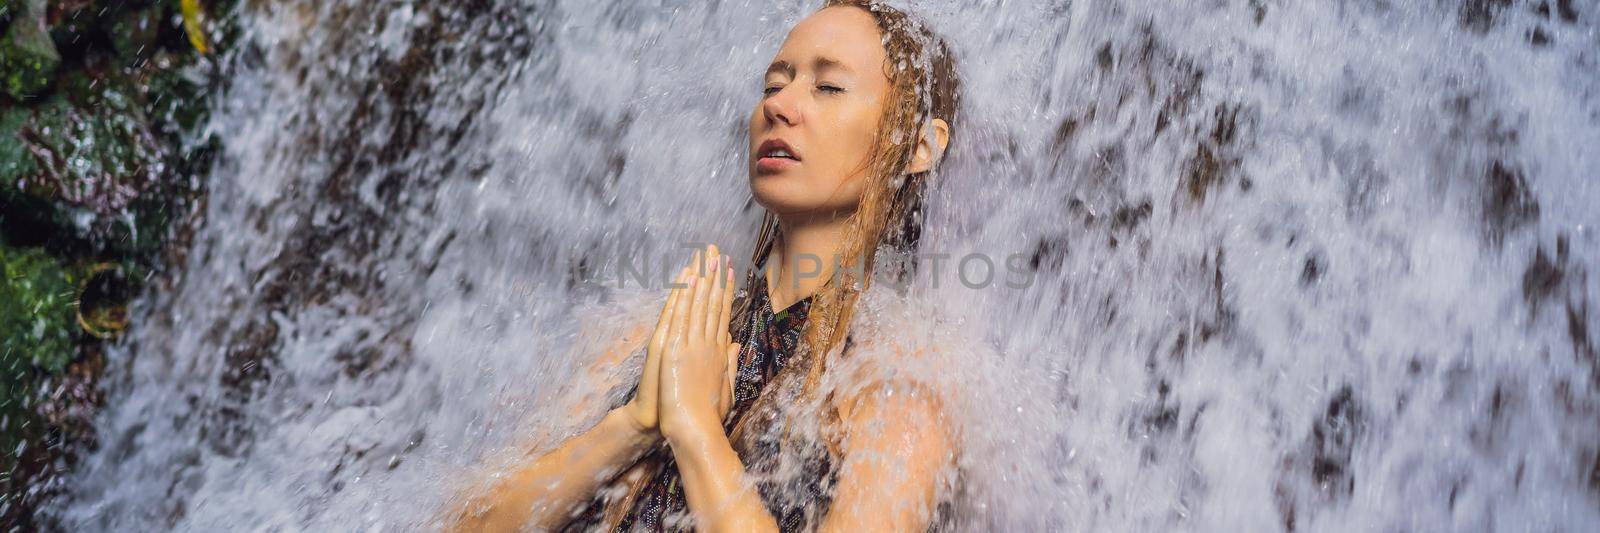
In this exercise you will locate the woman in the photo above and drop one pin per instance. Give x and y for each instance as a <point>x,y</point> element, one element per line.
<point>856,111</point>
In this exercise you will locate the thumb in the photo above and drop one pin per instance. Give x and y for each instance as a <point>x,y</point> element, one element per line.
<point>733,370</point>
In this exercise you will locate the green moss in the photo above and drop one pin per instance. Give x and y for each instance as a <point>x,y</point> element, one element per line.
<point>28,58</point>
<point>134,35</point>
<point>38,321</point>
<point>85,153</point>
<point>15,160</point>
<point>100,149</point>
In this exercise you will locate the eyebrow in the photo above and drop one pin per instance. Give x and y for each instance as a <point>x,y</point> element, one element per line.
<point>821,63</point>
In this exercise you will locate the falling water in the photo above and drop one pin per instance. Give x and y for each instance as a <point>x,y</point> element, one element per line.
<point>1300,265</point>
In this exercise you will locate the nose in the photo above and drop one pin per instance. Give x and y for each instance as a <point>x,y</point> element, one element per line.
<point>780,107</point>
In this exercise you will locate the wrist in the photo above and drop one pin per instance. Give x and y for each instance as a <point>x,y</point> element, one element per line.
<point>624,425</point>
<point>691,427</point>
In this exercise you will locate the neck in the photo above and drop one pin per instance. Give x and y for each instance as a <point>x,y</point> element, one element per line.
<point>804,257</point>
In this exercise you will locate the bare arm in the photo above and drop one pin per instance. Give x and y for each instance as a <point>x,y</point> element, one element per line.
<point>547,491</point>
<point>897,450</point>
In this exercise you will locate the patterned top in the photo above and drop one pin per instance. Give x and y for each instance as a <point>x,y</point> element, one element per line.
<point>769,343</point>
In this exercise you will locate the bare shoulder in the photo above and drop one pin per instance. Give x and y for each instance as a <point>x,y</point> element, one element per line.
<point>903,416</point>
<point>898,458</point>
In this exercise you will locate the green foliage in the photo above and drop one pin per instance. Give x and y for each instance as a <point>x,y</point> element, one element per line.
<point>102,108</point>
<point>27,56</point>
<point>38,321</point>
<point>15,161</point>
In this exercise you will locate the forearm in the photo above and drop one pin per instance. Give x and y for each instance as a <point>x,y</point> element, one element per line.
<point>547,490</point>
<point>713,481</point>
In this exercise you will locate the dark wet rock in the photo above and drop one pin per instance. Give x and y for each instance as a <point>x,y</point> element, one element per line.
<point>1490,431</point>
<point>1162,426</point>
<point>1319,472</point>
<point>366,171</point>
<point>1538,37</point>
<point>1258,11</point>
<point>1312,271</point>
<point>1048,253</point>
<point>1066,133</point>
<point>1594,472</point>
<point>1508,204</point>
<point>1126,220</point>
<point>1364,183</point>
<point>135,36</point>
<point>1543,277</point>
<point>1564,10</point>
<point>74,25</point>
<point>1479,15</point>
<point>102,162</point>
<point>1578,332</point>
<point>97,157</point>
<point>77,171</point>
<point>1222,318</point>
<point>1129,217</point>
<point>1503,194</point>
<point>1146,69</point>
<point>1333,440</point>
<point>1217,155</point>
<point>1554,279</point>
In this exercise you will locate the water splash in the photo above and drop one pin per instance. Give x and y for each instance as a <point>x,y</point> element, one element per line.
<point>1300,265</point>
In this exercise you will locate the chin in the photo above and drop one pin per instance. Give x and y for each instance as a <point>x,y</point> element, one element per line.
<point>776,192</point>
<point>792,193</point>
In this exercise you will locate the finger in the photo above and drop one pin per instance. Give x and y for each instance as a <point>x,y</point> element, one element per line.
<point>665,321</point>
<point>725,310</point>
<point>664,326</point>
<point>680,318</point>
<point>714,300</point>
<point>697,312</point>
<point>733,372</point>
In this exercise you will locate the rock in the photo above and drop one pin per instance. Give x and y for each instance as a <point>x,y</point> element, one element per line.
<point>134,35</point>
<point>15,161</point>
<point>28,58</point>
<point>80,163</point>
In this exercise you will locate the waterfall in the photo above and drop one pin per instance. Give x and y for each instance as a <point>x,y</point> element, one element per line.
<point>1296,265</point>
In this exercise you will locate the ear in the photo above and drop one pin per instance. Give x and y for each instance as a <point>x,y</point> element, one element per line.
<point>930,146</point>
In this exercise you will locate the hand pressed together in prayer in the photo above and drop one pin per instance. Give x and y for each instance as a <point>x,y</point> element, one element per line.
<point>690,362</point>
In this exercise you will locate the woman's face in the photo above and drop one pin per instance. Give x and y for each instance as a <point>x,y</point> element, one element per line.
<point>816,124</point>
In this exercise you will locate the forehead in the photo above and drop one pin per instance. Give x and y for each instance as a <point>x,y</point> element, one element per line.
<point>846,34</point>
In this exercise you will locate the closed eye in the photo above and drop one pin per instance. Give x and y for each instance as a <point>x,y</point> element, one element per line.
<point>830,89</point>
<point>771,90</point>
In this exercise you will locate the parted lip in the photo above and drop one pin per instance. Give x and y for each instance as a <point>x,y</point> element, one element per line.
<point>770,146</point>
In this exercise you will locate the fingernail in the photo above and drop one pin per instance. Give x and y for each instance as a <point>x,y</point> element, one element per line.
<point>692,280</point>
<point>714,260</point>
